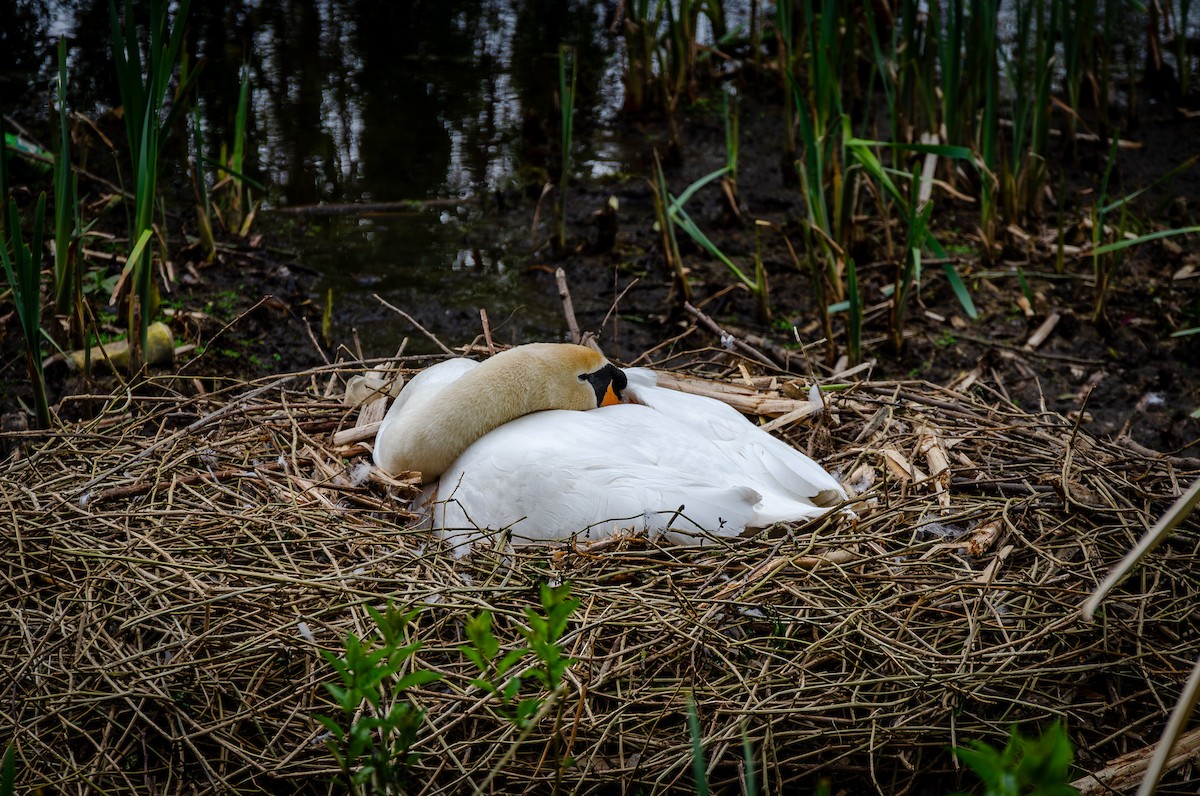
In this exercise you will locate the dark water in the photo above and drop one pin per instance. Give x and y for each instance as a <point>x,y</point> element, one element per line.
<point>375,102</point>
<point>361,103</point>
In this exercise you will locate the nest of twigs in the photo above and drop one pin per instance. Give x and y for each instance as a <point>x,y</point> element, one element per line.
<point>173,567</point>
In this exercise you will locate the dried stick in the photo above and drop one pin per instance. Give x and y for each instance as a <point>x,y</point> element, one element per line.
<point>1120,774</point>
<point>487,331</point>
<point>564,294</point>
<point>413,321</point>
<point>727,339</point>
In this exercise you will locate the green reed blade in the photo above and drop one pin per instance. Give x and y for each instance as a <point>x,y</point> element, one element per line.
<point>662,199</point>
<point>960,290</point>
<point>239,123</point>
<point>566,93</point>
<point>950,48</point>
<point>24,273</point>
<point>1126,243</point>
<point>730,111</point>
<point>142,96</point>
<point>3,168</point>
<point>239,175</point>
<point>66,199</point>
<point>1182,167</point>
<point>684,221</point>
<point>690,191</point>
<point>699,771</point>
<point>854,319</point>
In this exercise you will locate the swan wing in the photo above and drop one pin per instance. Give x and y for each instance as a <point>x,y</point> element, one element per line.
<point>774,467</point>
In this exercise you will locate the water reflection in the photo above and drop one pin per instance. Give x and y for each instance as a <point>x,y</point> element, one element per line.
<point>362,101</point>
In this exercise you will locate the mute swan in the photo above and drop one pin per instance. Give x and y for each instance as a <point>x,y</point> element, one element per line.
<point>661,461</point>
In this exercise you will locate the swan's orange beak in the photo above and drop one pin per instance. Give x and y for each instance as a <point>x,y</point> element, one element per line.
<point>610,397</point>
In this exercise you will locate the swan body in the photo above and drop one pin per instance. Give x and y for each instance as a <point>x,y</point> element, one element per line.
<point>662,462</point>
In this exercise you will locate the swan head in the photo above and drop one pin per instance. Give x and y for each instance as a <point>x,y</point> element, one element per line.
<point>427,433</point>
<point>596,381</point>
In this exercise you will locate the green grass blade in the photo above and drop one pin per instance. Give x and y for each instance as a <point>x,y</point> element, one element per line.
<point>3,168</point>
<point>690,191</point>
<point>8,769</point>
<point>246,178</point>
<point>960,290</point>
<point>699,772</point>
<point>136,253</point>
<point>1182,167</point>
<point>239,122</point>
<point>687,225</point>
<point>854,320</point>
<point>1120,245</point>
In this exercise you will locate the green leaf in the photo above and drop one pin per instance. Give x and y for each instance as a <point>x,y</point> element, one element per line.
<point>474,657</point>
<point>339,694</point>
<point>334,728</point>
<point>479,633</point>
<point>415,679</point>
<point>510,659</point>
<point>526,709</point>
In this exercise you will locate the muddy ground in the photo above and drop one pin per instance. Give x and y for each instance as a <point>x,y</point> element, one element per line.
<point>256,309</point>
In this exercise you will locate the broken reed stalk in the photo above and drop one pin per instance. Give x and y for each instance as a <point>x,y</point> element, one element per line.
<point>172,629</point>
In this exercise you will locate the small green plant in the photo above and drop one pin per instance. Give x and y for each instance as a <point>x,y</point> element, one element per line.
<point>917,207</point>
<point>1038,766</point>
<point>24,273</point>
<point>542,635</point>
<point>544,632</point>
<point>374,750</point>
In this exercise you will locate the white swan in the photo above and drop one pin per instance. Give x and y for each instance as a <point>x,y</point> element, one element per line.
<point>662,461</point>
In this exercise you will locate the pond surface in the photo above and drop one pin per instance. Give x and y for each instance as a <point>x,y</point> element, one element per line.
<point>392,138</point>
<point>357,105</point>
